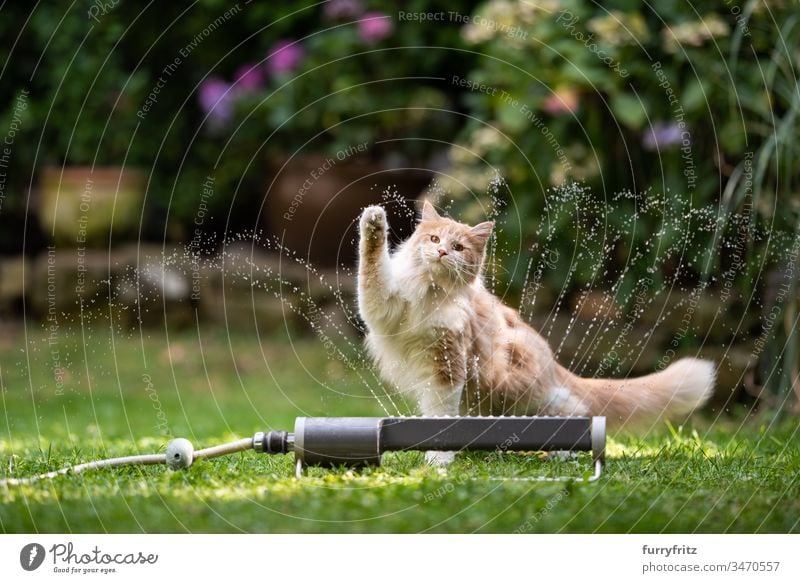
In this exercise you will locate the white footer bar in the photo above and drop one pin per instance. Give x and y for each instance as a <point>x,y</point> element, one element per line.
<point>399,558</point>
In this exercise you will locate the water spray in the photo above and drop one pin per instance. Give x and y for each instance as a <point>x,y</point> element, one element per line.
<point>361,441</point>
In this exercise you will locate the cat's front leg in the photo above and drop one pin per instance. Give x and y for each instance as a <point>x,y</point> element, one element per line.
<point>438,401</point>
<point>372,228</point>
<point>374,272</point>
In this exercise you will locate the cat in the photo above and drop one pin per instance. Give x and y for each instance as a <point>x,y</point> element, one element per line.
<point>437,334</point>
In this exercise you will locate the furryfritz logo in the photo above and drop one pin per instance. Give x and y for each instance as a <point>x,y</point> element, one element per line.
<point>31,556</point>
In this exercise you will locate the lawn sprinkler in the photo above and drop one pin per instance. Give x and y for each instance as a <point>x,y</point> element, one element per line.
<point>361,441</point>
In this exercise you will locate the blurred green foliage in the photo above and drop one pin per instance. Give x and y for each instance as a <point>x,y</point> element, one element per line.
<point>621,89</point>
<point>678,120</point>
<point>121,82</point>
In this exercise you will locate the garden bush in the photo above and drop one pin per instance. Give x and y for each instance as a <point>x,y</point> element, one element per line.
<point>673,123</point>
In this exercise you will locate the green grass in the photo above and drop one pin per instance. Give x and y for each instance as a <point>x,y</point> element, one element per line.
<point>714,476</point>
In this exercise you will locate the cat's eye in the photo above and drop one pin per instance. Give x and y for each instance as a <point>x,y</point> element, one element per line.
<point>434,238</point>
<point>458,247</point>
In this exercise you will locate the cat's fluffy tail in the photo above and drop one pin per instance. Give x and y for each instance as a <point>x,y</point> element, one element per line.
<point>677,390</point>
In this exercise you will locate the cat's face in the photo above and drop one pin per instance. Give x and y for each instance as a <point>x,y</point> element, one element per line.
<point>451,253</point>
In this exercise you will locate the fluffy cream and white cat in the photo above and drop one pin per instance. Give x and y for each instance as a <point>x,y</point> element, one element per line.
<point>437,333</point>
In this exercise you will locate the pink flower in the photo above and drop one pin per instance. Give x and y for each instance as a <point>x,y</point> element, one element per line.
<point>216,99</point>
<point>662,136</point>
<point>563,100</point>
<point>341,9</point>
<point>374,27</point>
<point>284,57</point>
<point>249,78</point>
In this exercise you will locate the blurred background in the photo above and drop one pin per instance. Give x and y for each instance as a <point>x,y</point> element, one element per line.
<point>179,185</point>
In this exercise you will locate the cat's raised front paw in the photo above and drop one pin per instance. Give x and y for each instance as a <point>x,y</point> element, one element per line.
<point>373,220</point>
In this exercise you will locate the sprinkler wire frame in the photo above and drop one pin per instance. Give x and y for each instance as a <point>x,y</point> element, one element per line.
<point>361,441</point>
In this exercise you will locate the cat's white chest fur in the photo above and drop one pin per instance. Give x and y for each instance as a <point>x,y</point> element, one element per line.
<point>426,307</point>
<point>401,340</point>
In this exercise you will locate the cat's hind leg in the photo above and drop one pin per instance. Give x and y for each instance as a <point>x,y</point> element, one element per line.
<point>442,393</point>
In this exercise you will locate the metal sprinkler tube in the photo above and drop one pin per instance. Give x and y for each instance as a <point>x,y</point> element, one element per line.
<point>360,441</point>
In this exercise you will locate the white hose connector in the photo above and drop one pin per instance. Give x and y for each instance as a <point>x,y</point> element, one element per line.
<point>180,454</point>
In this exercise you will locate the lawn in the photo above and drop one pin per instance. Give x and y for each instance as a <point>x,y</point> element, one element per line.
<point>91,393</point>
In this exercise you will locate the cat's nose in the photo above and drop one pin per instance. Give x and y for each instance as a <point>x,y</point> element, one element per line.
<point>442,252</point>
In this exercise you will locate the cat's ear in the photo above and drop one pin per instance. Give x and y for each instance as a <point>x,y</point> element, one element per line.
<point>429,213</point>
<point>483,231</point>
